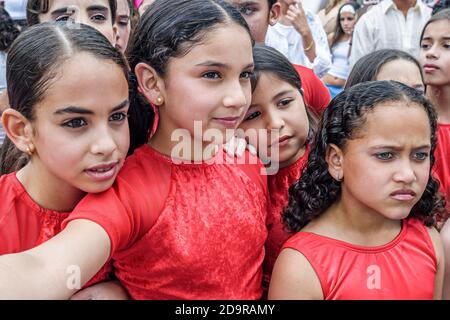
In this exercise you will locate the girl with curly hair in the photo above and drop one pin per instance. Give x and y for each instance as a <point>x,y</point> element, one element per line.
<point>365,206</point>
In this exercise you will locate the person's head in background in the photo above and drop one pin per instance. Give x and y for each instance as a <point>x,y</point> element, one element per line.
<point>123,24</point>
<point>258,14</point>
<point>387,64</point>
<point>440,5</point>
<point>434,50</point>
<point>8,31</point>
<point>144,5</point>
<point>99,14</point>
<point>345,22</point>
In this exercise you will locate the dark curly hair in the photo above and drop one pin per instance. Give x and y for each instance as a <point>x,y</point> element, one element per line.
<point>317,190</point>
<point>8,31</point>
<point>170,29</point>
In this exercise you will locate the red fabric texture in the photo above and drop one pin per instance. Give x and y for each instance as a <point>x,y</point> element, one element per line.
<point>441,169</point>
<point>184,231</point>
<point>278,193</point>
<point>317,96</point>
<point>406,267</point>
<point>24,224</point>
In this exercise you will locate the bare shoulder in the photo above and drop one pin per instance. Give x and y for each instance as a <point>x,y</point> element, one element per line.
<point>294,278</point>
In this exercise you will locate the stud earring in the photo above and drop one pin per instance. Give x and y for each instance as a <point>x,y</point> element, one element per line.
<point>29,151</point>
<point>159,100</point>
<point>338,178</point>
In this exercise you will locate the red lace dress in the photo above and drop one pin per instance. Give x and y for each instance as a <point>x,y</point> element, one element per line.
<point>184,231</point>
<point>24,224</point>
<point>278,192</point>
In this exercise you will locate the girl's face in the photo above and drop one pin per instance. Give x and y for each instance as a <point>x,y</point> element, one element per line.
<point>386,166</point>
<point>258,16</point>
<point>278,109</point>
<point>347,21</point>
<point>435,53</point>
<point>123,24</point>
<point>95,13</point>
<point>403,71</point>
<point>80,129</point>
<point>210,85</point>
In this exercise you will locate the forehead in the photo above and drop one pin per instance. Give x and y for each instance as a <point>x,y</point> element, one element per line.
<point>437,29</point>
<point>261,3</point>
<point>399,121</point>
<point>122,7</point>
<point>79,3</point>
<point>399,70</point>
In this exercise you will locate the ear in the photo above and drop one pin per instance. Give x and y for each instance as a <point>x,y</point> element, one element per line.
<point>274,13</point>
<point>335,159</point>
<point>18,129</point>
<point>150,83</point>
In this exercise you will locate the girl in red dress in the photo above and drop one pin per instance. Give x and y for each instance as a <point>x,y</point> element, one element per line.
<point>365,205</point>
<point>435,60</point>
<point>181,221</point>
<point>67,129</point>
<point>278,110</point>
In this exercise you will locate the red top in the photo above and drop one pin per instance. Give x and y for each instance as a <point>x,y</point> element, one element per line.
<point>403,269</point>
<point>278,191</point>
<point>25,225</point>
<point>442,165</point>
<point>184,231</point>
<point>317,96</point>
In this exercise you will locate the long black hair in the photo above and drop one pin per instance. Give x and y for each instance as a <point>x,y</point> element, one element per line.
<point>270,60</point>
<point>316,189</point>
<point>170,29</point>
<point>37,7</point>
<point>32,62</point>
<point>368,67</point>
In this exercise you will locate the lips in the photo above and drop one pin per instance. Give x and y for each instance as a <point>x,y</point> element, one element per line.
<point>282,141</point>
<point>403,195</point>
<point>430,68</point>
<point>228,122</point>
<point>102,172</point>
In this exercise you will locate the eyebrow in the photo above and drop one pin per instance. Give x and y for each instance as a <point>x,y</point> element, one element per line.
<point>429,38</point>
<point>90,8</point>
<point>211,63</point>
<point>397,148</point>
<point>79,110</point>
<point>282,93</point>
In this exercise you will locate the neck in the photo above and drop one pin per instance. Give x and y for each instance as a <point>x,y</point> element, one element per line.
<point>404,5</point>
<point>46,190</point>
<point>300,153</point>
<point>185,147</point>
<point>440,97</point>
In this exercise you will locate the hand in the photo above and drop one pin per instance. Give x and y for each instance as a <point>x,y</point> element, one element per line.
<point>110,290</point>
<point>237,146</point>
<point>296,15</point>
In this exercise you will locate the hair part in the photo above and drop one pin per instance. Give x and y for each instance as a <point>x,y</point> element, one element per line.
<point>368,67</point>
<point>344,118</point>
<point>38,7</point>
<point>34,61</point>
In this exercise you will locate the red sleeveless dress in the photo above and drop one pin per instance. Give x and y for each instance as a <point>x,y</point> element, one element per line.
<point>403,269</point>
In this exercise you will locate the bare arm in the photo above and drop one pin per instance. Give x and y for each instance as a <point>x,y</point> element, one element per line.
<point>57,268</point>
<point>110,290</point>
<point>294,278</point>
<point>445,236</point>
<point>439,250</point>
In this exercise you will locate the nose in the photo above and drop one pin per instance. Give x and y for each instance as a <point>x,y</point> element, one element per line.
<point>236,95</point>
<point>405,173</point>
<point>432,52</point>
<point>103,142</point>
<point>274,120</point>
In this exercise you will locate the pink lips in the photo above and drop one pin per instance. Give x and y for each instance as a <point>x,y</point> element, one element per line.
<point>284,140</point>
<point>228,122</point>
<point>403,195</point>
<point>102,172</point>
<point>428,68</point>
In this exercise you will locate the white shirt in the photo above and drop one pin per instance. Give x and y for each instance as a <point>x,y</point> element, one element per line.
<point>290,43</point>
<point>385,27</point>
<point>17,9</point>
